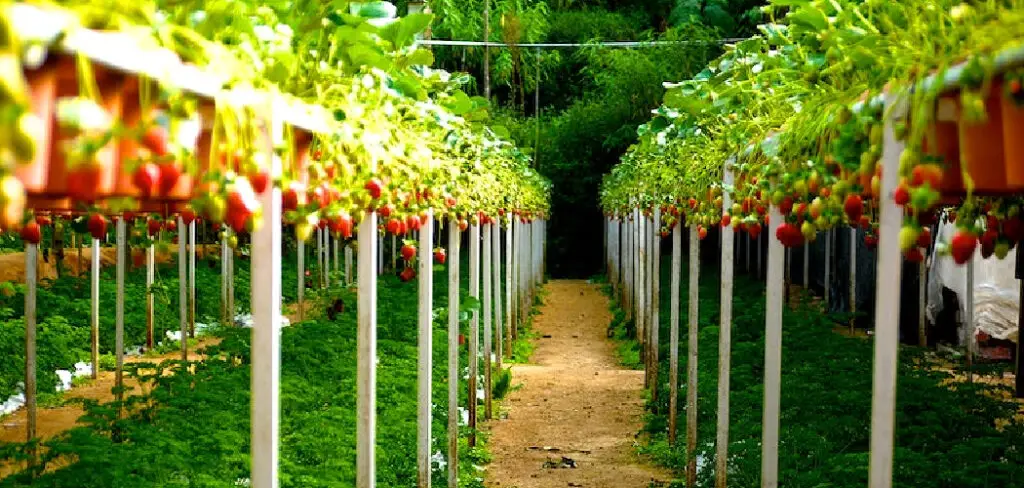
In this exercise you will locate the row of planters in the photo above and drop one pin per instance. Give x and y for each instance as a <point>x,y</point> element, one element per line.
<point>192,427</point>
<point>947,436</point>
<point>801,109</point>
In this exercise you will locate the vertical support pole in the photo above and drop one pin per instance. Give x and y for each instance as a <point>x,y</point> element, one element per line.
<point>366,386</point>
<point>1019,274</point>
<point>265,302</point>
<point>150,275</point>
<point>510,325</point>
<point>773,356</point>
<point>828,266</point>
<point>31,268</point>
<point>183,287</point>
<point>969,319</point>
<point>655,299</point>
<point>725,335</point>
<point>922,302</point>
<point>453,353</point>
<point>498,322</point>
<point>95,298</point>
<point>380,255</point>
<point>691,361</point>
<point>673,337</point>
<point>474,327</point>
<point>337,253</point>
<point>192,279</point>
<point>807,265</point>
<point>119,315</point>
<point>394,252</point>
<point>485,272</point>
<point>231,285</point>
<point>853,277</point>
<point>425,352</point>
<point>224,276</point>
<point>641,287</point>
<point>327,258</point>
<point>887,308</point>
<point>301,282</point>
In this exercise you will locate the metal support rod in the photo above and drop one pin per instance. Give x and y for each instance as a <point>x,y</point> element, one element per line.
<point>691,361</point>
<point>95,316</point>
<point>348,265</point>
<point>673,337</point>
<point>485,275</point>
<point>510,325</point>
<point>301,282</point>
<point>773,356</point>
<point>183,287</point>
<point>655,299</point>
<point>853,277</point>
<point>119,315</point>
<point>394,252</point>
<point>922,302</point>
<point>192,279</point>
<point>31,269</point>
<point>425,353</point>
<point>453,353</point>
<point>474,331</point>
<point>496,270</point>
<point>265,303</point>
<point>366,382</point>
<point>969,319</point>
<point>641,285</point>
<point>807,265</point>
<point>224,276</point>
<point>887,307</point>
<point>725,337</point>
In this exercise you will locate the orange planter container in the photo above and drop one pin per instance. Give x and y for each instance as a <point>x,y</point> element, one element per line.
<point>1013,140</point>
<point>943,135</point>
<point>981,147</point>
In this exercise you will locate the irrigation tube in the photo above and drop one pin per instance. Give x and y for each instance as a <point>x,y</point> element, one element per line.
<point>887,308</point>
<point>485,275</point>
<point>453,353</point>
<point>725,337</point>
<point>265,301</point>
<point>773,355</point>
<point>366,381</point>
<point>474,327</point>
<point>425,352</point>
<point>691,361</point>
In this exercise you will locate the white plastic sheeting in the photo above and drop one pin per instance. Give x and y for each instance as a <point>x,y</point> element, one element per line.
<point>996,291</point>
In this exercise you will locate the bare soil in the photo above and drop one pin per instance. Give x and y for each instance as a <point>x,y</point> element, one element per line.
<point>575,402</point>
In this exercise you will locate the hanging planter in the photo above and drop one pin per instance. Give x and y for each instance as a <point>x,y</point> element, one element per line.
<point>981,139</point>
<point>1011,100</point>
<point>942,145</point>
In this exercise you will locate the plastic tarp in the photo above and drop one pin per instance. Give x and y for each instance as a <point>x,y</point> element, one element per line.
<point>996,290</point>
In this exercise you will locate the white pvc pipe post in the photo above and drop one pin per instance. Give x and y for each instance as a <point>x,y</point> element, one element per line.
<point>95,299</point>
<point>380,254</point>
<point>673,338</point>
<point>485,275</point>
<point>192,279</point>
<point>119,315</point>
<point>327,258</point>
<point>828,266</point>
<point>510,325</point>
<point>496,271</point>
<point>969,319</point>
<point>265,302</point>
<point>887,308</point>
<point>183,287</point>
<point>348,265</point>
<point>425,353</point>
<point>725,336</point>
<point>655,299</point>
<point>224,277</point>
<point>394,252</point>
<point>853,277</point>
<point>773,355</point>
<point>150,278</point>
<point>922,302</point>
<point>641,285</point>
<point>366,382</point>
<point>627,266</point>
<point>691,361</point>
<point>453,353</point>
<point>301,273</point>
<point>337,254</point>
<point>31,268</point>
<point>474,328</point>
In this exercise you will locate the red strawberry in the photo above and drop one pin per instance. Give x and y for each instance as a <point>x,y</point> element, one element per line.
<point>786,206</point>
<point>693,203</point>
<point>156,140</point>
<point>865,222</point>
<point>726,220</point>
<point>153,226</point>
<point>31,233</point>
<point>871,241</point>
<point>260,180</point>
<point>138,258</point>
<point>188,216</point>
<point>345,225</point>
<point>988,243</point>
<point>449,201</point>
<point>901,195</point>
<point>169,175</point>
<point>702,232</point>
<point>754,230</point>
<point>463,225</point>
<point>854,208</point>
<point>394,226</point>
<point>1013,228</point>
<point>171,225</point>
<point>962,246</point>
<point>375,187</point>
<point>146,178</point>
<point>924,238</point>
<point>412,222</point>
<point>408,252</point>
<point>914,255</point>
<point>84,182</point>
<point>44,220</point>
<point>386,210</point>
<point>440,256</point>
<point>407,274</point>
<point>97,225</point>
<point>290,197</point>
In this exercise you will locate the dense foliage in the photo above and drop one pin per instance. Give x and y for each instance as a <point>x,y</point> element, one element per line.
<point>946,437</point>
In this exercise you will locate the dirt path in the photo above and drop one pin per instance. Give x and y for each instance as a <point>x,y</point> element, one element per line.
<point>575,402</point>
